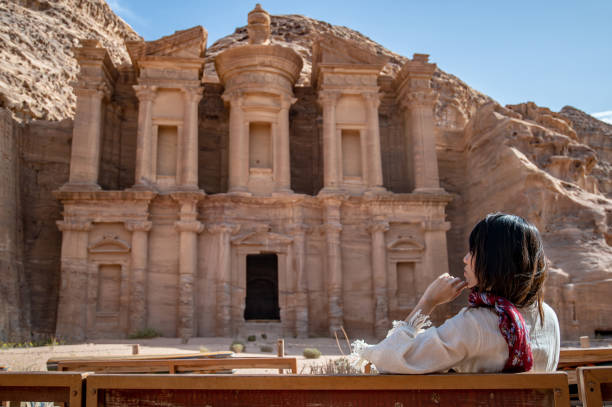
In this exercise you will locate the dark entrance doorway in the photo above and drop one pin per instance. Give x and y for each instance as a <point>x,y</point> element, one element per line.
<point>262,287</point>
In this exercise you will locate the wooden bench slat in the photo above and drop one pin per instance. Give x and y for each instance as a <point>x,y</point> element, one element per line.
<point>181,365</point>
<point>595,385</point>
<point>456,389</point>
<point>174,365</point>
<point>35,393</point>
<point>328,398</point>
<point>60,387</point>
<point>583,356</point>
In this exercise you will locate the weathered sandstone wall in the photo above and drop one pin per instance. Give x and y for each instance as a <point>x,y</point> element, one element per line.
<point>14,293</point>
<point>598,136</point>
<point>45,165</point>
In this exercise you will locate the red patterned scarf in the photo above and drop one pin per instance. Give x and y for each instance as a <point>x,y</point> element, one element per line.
<point>512,327</point>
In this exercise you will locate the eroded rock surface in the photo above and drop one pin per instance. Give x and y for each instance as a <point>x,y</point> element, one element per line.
<point>36,41</point>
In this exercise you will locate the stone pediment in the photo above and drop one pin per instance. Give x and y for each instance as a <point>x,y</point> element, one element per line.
<point>109,244</point>
<point>328,49</point>
<point>190,43</point>
<point>405,245</point>
<point>331,50</point>
<point>261,238</point>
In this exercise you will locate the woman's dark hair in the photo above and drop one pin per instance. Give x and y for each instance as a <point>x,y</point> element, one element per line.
<point>509,259</point>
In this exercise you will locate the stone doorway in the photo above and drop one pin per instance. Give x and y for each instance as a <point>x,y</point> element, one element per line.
<point>262,287</point>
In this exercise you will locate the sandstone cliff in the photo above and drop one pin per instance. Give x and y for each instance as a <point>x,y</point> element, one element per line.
<point>36,40</point>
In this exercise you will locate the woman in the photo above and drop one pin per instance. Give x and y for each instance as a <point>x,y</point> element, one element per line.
<point>505,328</point>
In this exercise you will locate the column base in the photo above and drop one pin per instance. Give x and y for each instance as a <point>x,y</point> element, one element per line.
<point>328,191</point>
<point>143,185</point>
<point>283,192</point>
<point>189,188</point>
<point>239,192</point>
<point>373,191</point>
<point>429,190</point>
<point>78,187</point>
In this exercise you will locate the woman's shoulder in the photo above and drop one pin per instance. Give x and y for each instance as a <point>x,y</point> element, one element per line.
<point>478,317</point>
<point>531,314</point>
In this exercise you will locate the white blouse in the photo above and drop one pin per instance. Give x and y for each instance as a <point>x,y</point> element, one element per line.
<point>468,342</point>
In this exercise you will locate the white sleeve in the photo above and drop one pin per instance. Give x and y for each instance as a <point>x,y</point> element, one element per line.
<point>410,350</point>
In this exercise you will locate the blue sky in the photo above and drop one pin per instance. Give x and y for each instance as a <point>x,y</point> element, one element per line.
<point>554,53</point>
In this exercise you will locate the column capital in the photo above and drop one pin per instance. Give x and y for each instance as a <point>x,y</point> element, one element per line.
<point>145,93</point>
<point>192,94</point>
<point>298,228</point>
<point>372,99</point>
<point>189,226</point>
<point>332,201</point>
<point>420,98</point>
<point>435,225</point>
<point>76,225</point>
<point>374,227</point>
<point>88,89</point>
<point>328,97</point>
<point>221,228</point>
<point>331,228</point>
<point>138,225</point>
<point>287,101</point>
<point>234,98</point>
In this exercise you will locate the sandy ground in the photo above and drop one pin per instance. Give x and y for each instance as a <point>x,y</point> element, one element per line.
<point>35,359</point>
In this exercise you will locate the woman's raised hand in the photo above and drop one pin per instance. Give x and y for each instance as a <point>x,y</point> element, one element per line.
<point>443,289</point>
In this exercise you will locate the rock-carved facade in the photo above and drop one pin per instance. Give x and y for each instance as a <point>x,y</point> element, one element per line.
<point>168,254</point>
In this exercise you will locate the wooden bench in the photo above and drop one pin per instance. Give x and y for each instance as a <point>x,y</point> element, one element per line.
<point>52,363</point>
<point>300,390</point>
<point>572,358</point>
<point>42,386</point>
<point>178,365</point>
<point>595,385</point>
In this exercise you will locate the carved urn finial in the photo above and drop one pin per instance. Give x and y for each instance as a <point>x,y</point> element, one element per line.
<point>259,26</point>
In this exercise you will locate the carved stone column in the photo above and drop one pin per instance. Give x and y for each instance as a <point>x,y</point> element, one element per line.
<point>284,157</point>
<point>144,157</point>
<point>419,114</point>
<point>238,145</point>
<point>435,260</point>
<point>188,228</point>
<point>379,277</point>
<point>332,228</point>
<point>223,232</point>
<point>331,174</point>
<point>374,177</point>
<point>138,276</point>
<point>298,232</point>
<point>116,146</point>
<point>87,137</point>
<point>189,165</point>
<point>71,315</point>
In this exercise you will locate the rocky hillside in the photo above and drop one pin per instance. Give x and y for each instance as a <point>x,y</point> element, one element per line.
<point>36,40</point>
